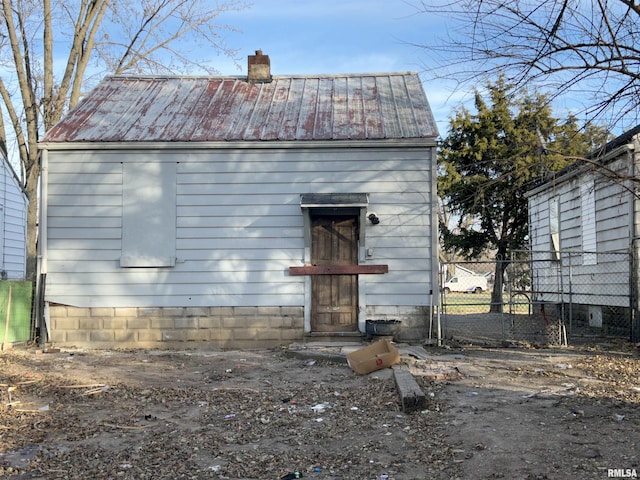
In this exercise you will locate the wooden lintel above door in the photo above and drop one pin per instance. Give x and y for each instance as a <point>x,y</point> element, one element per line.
<point>339,270</point>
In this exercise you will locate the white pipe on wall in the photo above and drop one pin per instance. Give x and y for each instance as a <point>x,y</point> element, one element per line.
<point>44,202</point>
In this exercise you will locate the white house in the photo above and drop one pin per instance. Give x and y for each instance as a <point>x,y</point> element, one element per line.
<point>240,211</point>
<point>13,223</point>
<point>584,230</point>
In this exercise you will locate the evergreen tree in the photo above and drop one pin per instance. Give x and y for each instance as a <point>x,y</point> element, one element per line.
<point>488,162</point>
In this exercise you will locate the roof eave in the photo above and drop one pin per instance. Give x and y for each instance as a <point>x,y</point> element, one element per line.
<point>568,173</point>
<point>422,142</point>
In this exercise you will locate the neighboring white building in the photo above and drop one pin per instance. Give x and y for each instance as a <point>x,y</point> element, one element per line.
<point>13,223</point>
<point>240,211</point>
<point>584,223</point>
<point>460,271</point>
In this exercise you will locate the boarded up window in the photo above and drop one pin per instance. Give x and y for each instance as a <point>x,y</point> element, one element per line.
<point>148,215</point>
<point>588,203</point>
<point>554,227</point>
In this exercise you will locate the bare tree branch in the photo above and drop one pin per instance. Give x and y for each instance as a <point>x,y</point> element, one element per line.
<point>48,56</point>
<point>48,46</point>
<point>90,22</point>
<point>588,49</point>
<point>15,121</point>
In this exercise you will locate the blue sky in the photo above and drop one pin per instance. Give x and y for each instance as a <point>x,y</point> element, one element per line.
<point>340,36</point>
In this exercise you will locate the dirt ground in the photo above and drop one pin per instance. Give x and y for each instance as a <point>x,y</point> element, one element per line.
<point>516,413</point>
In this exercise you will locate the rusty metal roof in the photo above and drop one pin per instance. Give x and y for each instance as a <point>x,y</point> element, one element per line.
<point>203,109</point>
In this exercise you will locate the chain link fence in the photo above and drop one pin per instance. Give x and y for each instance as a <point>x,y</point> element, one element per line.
<point>542,297</point>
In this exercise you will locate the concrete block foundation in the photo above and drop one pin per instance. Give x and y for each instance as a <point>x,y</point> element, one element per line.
<point>215,327</point>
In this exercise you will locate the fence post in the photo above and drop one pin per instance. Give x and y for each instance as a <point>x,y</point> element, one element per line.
<point>570,294</point>
<point>635,292</point>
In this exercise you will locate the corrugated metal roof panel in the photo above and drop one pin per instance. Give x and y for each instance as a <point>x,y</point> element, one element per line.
<point>189,109</point>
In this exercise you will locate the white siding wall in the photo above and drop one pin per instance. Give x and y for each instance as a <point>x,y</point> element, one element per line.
<point>239,226</point>
<point>601,280</point>
<point>13,224</point>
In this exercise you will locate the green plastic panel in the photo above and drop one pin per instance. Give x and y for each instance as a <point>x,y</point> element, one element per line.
<point>20,316</point>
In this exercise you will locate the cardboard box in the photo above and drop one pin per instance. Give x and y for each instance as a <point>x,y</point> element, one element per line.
<point>378,355</point>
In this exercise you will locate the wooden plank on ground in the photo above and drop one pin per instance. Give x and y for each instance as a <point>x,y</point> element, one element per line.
<point>411,396</point>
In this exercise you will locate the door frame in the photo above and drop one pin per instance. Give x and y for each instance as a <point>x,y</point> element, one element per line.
<point>362,219</point>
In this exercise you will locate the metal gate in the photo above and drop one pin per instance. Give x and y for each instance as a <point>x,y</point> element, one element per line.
<point>542,298</point>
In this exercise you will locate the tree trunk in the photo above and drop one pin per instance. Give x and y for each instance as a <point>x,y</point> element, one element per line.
<point>496,294</point>
<point>32,221</point>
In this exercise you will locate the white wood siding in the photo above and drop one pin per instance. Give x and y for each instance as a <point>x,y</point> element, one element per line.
<point>13,224</point>
<point>612,234</point>
<point>239,225</point>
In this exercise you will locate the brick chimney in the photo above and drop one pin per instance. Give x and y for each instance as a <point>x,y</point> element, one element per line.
<point>259,68</point>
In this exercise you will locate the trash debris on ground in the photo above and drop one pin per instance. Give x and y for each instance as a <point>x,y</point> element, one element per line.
<point>563,366</point>
<point>380,354</point>
<point>321,407</point>
<point>292,476</point>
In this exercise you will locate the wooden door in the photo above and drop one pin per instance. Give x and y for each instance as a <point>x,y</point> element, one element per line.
<point>334,303</point>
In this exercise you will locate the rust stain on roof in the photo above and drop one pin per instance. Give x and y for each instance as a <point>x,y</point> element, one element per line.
<point>203,109</point>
